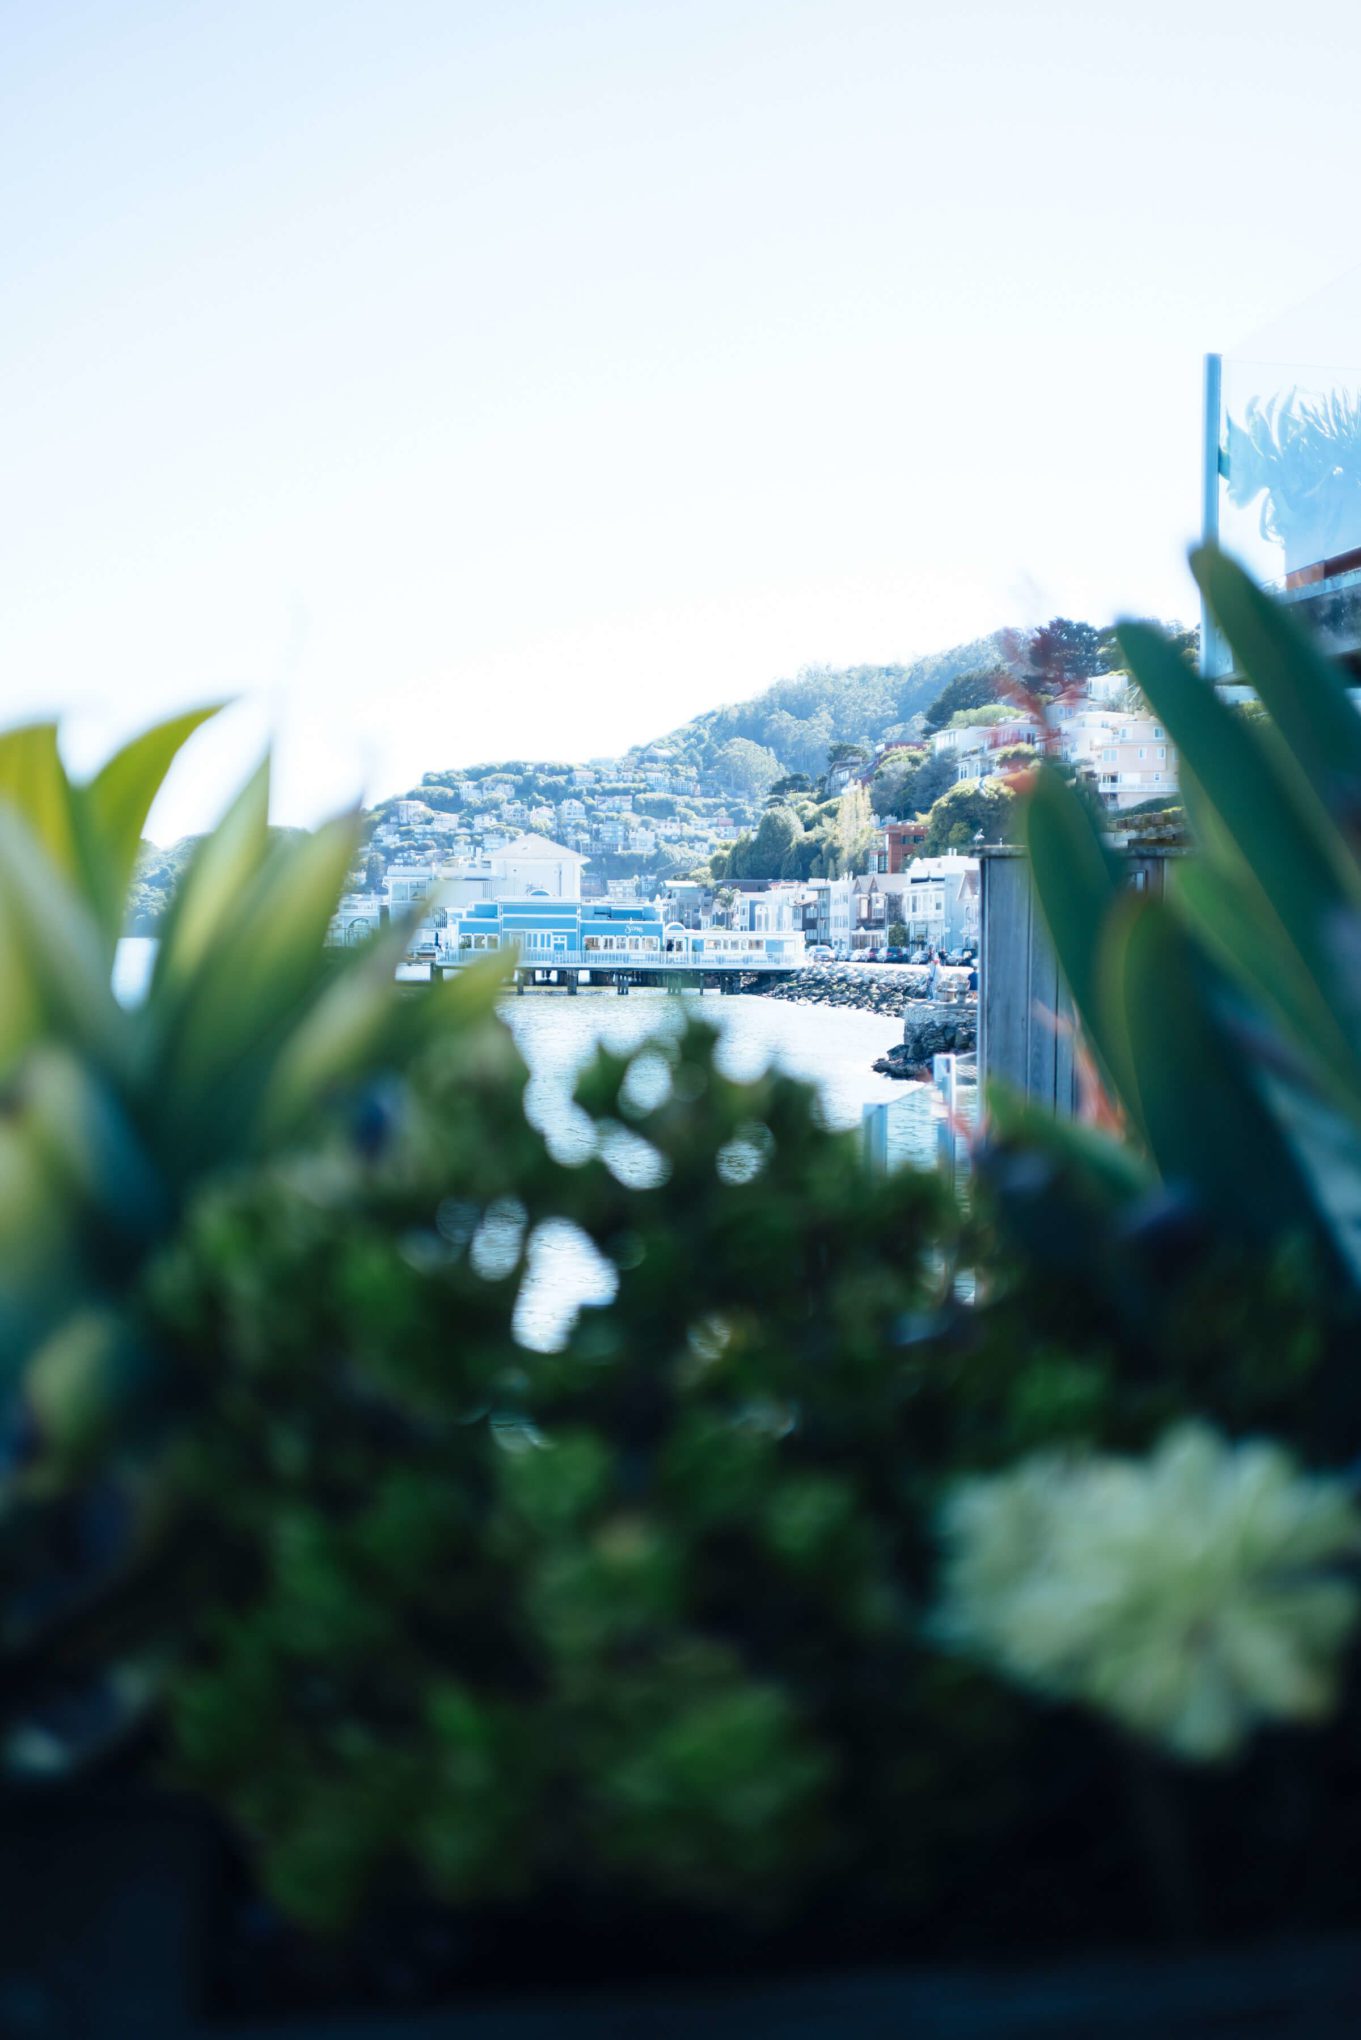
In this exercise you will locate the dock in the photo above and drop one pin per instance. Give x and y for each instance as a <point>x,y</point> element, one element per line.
<point>567,976</point>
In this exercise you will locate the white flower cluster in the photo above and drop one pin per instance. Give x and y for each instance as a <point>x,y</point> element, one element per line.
<point>1191,1596</point>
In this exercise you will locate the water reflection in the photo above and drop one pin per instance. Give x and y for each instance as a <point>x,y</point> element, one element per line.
<point>832,1048</point>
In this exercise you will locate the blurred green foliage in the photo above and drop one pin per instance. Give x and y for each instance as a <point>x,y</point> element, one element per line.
<point>113,1115</point>
<point>636,1612</point>
<point>645,1617</point>
<point>1195,1245</point>
<point>1226,1017</point>
<point>640,1613</point>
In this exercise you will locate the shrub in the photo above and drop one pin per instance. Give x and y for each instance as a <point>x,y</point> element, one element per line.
<point>1221,1026</point>
<point>647,1620</point>
<point>643,1617</point>
<point>636,1613</point>
<point>985,808</point>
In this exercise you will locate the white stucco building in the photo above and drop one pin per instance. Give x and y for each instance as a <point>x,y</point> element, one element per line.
<point>1128,756</point>
<point>533,866</point>
<point>940,901</point>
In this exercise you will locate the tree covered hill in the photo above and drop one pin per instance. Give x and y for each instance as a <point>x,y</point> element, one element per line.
<point>750,787</point>
<point>799,720</point>
<point>719,763</point>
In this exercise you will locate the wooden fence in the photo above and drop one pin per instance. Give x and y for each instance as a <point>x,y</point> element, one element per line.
<point>1025,1018</point>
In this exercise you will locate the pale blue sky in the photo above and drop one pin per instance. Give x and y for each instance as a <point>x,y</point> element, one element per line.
<point>460,381</point>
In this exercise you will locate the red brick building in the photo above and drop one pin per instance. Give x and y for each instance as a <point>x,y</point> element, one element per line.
<point>902,842</point>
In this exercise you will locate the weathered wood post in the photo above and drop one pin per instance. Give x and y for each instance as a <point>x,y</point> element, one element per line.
<point>1025,1018</point>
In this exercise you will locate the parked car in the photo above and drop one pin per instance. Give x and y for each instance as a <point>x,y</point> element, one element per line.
<point>820,952</point>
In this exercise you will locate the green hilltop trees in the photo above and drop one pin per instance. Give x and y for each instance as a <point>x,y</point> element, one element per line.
<point>801,718</point>
<point>973,811</point>
<point>909,779</point>
<point>970,690</point>
<point>803,838</point>
<point>746,768</point>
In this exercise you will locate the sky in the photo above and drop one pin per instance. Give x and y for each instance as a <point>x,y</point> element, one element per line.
<point>442,382</point>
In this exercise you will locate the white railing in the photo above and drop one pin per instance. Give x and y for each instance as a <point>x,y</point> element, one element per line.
<point>625,959</point>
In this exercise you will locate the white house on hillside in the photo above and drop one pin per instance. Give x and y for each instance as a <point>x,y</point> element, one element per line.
<point>532,866</point>
<point>357,916</point>
<point>1129,756</point>
<point>940,901</point>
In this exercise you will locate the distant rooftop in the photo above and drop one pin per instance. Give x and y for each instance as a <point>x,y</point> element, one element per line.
<point>531,845</point>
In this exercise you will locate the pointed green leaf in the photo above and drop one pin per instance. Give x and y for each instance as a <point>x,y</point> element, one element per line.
<point>1328,1148</point>
<point>257,984</point>
<point>1267,815</point>
<point>54,955</point>
<point>1077,881</point>
<point>21,1005</point>
<point>1202,819</point>
<point>345,1028</point>
<point>222,865</point>
<point>1206,1122</point>
<point>34,783</point>
<point>1117,1171</point>
<point>1304,693</point>
<point>111,811</point>
<point>1240,926</point>
<point>1265,803</point>
<point>39,1245</point>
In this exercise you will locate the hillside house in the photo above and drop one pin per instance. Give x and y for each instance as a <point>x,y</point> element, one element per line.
<point>1128,756</point>
<point>940,901</point>
<point>357,916</point>
<point>979,740</point>
<point>902,842</point>
<point>532,866</point>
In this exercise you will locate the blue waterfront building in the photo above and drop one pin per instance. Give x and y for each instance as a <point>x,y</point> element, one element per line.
<point>609,936</point>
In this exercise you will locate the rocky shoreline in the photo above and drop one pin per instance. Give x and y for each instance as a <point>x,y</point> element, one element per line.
<point>893,988</point>
<point>947,1026</point>
<point>930,1031</point>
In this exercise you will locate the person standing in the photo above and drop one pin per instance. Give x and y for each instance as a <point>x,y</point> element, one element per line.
<point>933,974</point>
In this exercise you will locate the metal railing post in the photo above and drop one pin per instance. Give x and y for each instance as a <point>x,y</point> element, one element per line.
<point>944,1077</point>
<point>874,1131</point>
<point>1215,663</point>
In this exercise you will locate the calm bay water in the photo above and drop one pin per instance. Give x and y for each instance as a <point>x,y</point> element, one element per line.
<point>832,1048</point>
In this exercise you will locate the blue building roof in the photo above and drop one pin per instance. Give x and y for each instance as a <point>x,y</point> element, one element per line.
<point>521,915</point>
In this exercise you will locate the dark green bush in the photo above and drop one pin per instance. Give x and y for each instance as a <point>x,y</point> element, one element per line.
<point>639,1612</point>
<point>646,1617</point>
<point>640,1624</point>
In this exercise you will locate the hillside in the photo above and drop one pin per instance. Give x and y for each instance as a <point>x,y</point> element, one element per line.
<point>798,720</point>
<point>664,807</point>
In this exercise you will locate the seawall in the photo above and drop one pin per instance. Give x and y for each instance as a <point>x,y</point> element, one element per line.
<point>890,988</point>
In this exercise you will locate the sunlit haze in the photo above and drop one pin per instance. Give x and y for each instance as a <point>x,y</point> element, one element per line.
<point>456,382</point>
